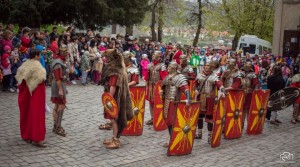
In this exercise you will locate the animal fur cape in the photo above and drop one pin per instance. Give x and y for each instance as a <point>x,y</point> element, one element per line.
<point>32,72</point>
<point>122,95</point>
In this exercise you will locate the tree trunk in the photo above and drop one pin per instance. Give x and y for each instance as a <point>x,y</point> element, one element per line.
<point>114,29</point>
<point>235,40</point>
<point>129,30</point>
<point>195,42</point>
<point>153,21</point>
<point>160,21</point>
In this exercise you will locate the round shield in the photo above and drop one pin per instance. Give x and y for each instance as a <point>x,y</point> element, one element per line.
<point>283,98</point>
<point>110,105</point>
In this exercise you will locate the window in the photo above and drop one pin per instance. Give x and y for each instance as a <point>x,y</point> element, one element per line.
<point>242,45</point>
<point>252,49</point>
<point>260,51</point>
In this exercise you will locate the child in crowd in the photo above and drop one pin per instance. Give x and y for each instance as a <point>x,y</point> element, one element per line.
<point>23,54</point>
<point>15,64</point>
<point>144,64</point>
<point>85,67</point>
<point>6,69</point>
<point>98,63</point>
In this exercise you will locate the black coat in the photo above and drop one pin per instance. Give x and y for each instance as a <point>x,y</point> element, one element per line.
<point>275,83</point>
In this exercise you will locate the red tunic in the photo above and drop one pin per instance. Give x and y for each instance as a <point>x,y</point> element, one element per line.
<point>32,112</point>
<point>296,85</point>
<point>135,77</point>
<point>111,82</point>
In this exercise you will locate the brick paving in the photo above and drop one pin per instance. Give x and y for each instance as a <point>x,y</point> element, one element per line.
<point>83,144</point>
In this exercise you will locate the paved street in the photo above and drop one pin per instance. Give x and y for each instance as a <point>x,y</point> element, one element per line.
<point>83,144</point>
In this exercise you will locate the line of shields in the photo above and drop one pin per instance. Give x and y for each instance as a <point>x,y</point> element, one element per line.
<point>228,115</point>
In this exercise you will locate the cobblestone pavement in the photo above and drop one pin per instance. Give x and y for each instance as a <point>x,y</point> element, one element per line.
<point>83,144</point>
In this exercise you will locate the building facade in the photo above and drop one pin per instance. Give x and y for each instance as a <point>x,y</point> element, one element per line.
<point>286,34</point>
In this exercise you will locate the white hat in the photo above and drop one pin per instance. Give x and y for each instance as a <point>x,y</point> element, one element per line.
<point>98,54</point>
<point>144,55</point>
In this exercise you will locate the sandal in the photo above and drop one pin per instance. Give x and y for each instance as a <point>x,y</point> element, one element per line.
<point>150,122</point>
<point>198,136</point>
<point>297,120</point>
<point>209,138</point>
<point>166,145</point>
<point>39,144</point>
<point>114,144</point>
<point>107,141</point>
<point>278,121</point>
<point>293,121</point>
<point>106,126</point>
<point>61,132</point>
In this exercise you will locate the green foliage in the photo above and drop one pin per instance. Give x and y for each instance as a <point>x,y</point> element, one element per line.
<point>243,17</point>
<point>94,14</point>
<point>128,12</point>
<point>60,28</point>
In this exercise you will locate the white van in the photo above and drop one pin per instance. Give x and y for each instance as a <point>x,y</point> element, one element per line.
<point>253,45</point>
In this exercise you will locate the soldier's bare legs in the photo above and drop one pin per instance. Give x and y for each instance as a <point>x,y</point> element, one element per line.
<point>58,119</point>
<point>54,114</point>
<point>114,143</point>
<point>150,122</point>
<point>295,114</point>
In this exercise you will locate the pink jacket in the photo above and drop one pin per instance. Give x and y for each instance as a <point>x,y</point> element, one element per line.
<point>144,64</point>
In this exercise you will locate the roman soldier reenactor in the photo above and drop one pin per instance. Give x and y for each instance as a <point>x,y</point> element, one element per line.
<point>115,81</point>
<point>133,79</point>
<point>60,74</point>
<point>185,68</point>
<point>172,86</point>
<point>232,77</point>
<point>206,85</point>
<point>132,71</point>
<point>156,71</point>
<point>249,83</point>
<point>296,83</point>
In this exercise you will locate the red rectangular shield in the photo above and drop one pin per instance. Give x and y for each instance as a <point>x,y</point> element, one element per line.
<point>184,128</point>
<point>219,120</point>
<point>234,114</point>
<point>135,125</point>
<point>257,111</point>
<point>159,124</point>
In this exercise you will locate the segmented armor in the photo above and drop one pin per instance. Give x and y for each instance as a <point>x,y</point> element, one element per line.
<point>187,70</point>
<point>172,85</point>
<point>209,85</point>
<point>229,77</point>
<point>247,81</point>
<point>154,75</point>
<point>132,70</point>
<point>171,89</point>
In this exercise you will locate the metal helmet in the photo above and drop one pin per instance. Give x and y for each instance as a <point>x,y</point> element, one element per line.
<point>183,59</point>
<point>208,67</point>
<point>173,67</point>
<point>127,57</point>
<point>231,63</point>
<point>157,55</point>
<point>63,51</point>
<point>248,66</point>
